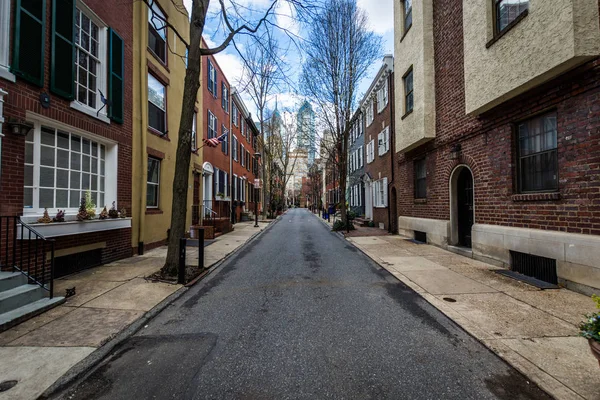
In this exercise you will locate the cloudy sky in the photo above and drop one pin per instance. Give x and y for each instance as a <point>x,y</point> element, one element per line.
<point>380,14</point>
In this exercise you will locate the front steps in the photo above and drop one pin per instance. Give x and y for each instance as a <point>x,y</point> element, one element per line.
<point>20,301</point>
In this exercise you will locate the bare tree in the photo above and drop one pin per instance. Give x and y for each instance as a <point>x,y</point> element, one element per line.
<point>263,74</point>
<point>339,52</point>
<point>232,23</point>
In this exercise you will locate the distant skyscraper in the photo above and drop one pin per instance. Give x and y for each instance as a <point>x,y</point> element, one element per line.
<point>306,131</point>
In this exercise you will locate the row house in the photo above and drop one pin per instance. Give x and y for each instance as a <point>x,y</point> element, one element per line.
<point>377,106</point>
<point>229,170</point>
<point>355,195</point>
<point>497,132</point>
<point>66,85</point>
<point>159,68</point>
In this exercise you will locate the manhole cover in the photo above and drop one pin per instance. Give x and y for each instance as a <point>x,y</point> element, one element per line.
<point>449,299</point>
<point>7,385</point>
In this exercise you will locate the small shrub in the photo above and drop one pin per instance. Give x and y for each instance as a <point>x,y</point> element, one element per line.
<point>371,224</point>
<point>341,226</point>
<point>590,328</point>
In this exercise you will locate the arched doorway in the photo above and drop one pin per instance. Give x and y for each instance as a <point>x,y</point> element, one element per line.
<point>462,206</point>
<point>393,212</point>
<point>207,185</point>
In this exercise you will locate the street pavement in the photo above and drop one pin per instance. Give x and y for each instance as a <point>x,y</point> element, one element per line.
<point>300,313</point>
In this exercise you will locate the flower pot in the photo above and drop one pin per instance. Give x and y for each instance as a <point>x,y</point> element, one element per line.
<point>595,348</point>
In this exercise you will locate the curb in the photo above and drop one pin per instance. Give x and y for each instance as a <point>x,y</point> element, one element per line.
<point>87,364</point>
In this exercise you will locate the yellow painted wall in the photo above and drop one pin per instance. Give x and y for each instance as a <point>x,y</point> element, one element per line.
<point>554,37</point>
<point>150,226</point>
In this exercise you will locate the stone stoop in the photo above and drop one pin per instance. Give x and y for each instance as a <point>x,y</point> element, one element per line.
<point>20,301</point>
<point>362,221</point>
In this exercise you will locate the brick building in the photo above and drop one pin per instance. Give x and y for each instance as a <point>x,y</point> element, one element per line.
<point>377,106</point>
<point>60,139</point>
<point>230,169</point>
<point>498,133</point>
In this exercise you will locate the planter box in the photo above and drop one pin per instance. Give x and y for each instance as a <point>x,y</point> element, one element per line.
<point>57,229</point>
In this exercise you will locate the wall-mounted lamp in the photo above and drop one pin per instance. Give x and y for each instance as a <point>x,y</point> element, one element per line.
<point>455,151</point>
<point>19,128</point>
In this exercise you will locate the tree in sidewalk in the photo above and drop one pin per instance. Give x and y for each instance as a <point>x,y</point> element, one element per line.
<point>339,51</point>
<point>233,22</point>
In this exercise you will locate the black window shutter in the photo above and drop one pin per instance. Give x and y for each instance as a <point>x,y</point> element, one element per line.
<point>29,40</point>
<point>116,55</point>
<point>62,65</point>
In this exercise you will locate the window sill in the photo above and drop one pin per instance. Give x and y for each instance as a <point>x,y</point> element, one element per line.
<point>87,110</point>
<point>420,201</point>
<point>153,211</point>
<point>405,33</point>
<point>508,27</point>
<point>6,74</point>
<point>406,115</point>
<point>164,136</point>
<point>553,196</point>
<point>56,229</point>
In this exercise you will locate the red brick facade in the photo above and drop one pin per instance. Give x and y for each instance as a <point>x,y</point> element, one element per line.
<point>24,97</point>
<point>488,145</point>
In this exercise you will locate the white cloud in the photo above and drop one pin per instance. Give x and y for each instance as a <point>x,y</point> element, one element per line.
<point>380,13</point>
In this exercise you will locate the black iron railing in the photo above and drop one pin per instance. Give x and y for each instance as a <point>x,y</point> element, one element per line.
<point>25,250</point>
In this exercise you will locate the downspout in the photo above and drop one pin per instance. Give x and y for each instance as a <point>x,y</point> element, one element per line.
<point>2,94</point>
<point>392,148</point>
<point>142,125</point>
<point>231,91</point>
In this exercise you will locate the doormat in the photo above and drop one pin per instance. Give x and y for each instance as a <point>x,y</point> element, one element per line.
<point>527,279</point>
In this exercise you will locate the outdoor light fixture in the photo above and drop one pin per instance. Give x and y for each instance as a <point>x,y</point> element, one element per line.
<point>455,151</point>
<point>19,128</point>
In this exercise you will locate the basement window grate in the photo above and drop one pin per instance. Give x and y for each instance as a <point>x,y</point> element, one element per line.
<point>421,236</point>
<point>538,267</point>
<point>77,262</point>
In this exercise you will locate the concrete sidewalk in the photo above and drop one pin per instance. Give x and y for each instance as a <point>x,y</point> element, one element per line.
<point>533,330</point>
<point>108,299</point>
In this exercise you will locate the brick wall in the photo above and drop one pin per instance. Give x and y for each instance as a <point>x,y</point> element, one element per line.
<point>23,97</point>
<point>488,145</point>
<point>381,167</point>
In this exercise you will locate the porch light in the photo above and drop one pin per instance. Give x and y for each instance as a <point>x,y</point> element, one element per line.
<point>19,128</point>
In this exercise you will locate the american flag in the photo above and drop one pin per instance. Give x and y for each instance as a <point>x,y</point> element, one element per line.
<point>214,142</point>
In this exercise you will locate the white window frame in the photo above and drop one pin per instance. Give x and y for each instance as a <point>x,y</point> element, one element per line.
<point>360,157</point>
<point>101,73</point>
<point>195,133</point>
<point>382,97</point>
<point>369,112</point>
<point>235,148</point>
<point>5,30</point>
<point>243,154</point>
<point>157,184</point>
<point>235,187</point>
<point>234,114</point>
<point>380,191</point>
<point>110,160</point>
<point>212,79</point>
<point>371,151</point>
<point>150,101</point>
<point>212,125</point>
<point>383,141</point>
<point>225,99</point>
<point>226,185</point>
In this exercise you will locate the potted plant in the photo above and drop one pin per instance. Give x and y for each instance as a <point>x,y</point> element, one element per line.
<point>590,329</point>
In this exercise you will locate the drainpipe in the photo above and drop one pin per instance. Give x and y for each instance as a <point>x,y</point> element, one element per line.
<point>2,94</point>
<point>143,15</point>
<point>231,92</point>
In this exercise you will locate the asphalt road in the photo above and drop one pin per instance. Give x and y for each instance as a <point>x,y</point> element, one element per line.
<point>299,313</point>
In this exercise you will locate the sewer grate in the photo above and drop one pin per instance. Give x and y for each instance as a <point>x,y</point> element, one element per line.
<point>449,299</point>
<point>7,385</point>
<point>527,279</point>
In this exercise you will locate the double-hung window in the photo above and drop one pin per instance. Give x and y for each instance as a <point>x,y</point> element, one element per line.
<point>369,112</point>
<point>248,160</point>
<point>382,97</point>
<point>235,149</point>
<point>90,60</point>
<point>225,142</point>
<point>212,79</point>
<point>157,32</point>
<point>243,155</point>
<point>371,151</point>
<point>153,183</point>
<point>507,11</point>
<point>234,114</point>
<point>408,91</point>
<point>61,167</point>
<point>420,173</point>
<point>157,104</point>
<point>194,134</point>
<point>224,97</point>
<point>537,154</point>
<point>212,125</point>
<point>360,157</point>
<point>380,193</point>
<point>384,141</point>
<point>407,15</point>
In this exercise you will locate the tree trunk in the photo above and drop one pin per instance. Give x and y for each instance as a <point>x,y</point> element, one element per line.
<point>184,142</point>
